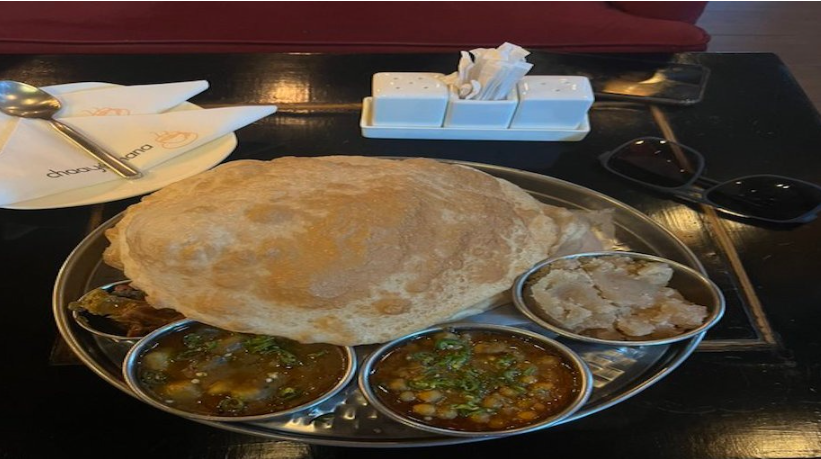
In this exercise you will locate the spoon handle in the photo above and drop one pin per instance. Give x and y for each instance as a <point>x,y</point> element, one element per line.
<point>115,164</point>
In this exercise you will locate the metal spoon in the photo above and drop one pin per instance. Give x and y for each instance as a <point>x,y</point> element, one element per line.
<point>26,101</point>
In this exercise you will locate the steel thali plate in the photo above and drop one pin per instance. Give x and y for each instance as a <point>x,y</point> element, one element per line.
<point>347,420</point>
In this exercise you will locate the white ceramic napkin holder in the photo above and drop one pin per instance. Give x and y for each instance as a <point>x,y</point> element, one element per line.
<point>496,114</point>
<point>417,105</point>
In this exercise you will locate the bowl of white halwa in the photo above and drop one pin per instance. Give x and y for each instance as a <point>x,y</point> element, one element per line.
<point>618,298</point>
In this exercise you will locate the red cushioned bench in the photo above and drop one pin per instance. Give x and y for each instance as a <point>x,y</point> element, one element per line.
<point>191,27</point>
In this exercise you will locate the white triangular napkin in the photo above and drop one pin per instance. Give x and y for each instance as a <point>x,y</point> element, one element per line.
<point>36,161</point>
<point>124,100</point>
<point>106,99</point>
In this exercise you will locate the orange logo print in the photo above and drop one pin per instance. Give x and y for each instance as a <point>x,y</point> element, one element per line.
<point>108,111</point>
<point>175,139</point>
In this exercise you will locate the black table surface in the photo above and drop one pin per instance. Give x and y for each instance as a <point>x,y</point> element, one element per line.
<point>752,390</point>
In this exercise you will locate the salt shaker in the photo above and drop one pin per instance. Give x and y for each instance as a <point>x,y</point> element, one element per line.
<point>416,99</point>
<point>558,102</point>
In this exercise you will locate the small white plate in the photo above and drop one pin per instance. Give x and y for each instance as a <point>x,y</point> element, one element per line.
<point>187,164</point>
<point>451,133</point>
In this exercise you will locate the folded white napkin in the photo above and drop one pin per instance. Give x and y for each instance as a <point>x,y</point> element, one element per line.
<point>124,100</point>
<point>36,160</point>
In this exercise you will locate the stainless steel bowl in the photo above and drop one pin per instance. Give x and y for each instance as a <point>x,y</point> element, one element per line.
<point>576,362</point>
<point>692,285</point>
<point>99,325</point>
<point>131,369</point>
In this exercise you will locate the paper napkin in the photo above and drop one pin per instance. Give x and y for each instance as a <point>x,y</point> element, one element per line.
<point>37,161</point>
<point>125,100</point>
<point>489,74</point>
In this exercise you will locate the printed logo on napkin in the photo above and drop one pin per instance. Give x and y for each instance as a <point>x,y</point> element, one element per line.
<point>176,139</point>
<point>37,161</point>
<point>107,111</point>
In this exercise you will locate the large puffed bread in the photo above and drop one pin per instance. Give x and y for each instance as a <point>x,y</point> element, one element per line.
<point>340,249</point>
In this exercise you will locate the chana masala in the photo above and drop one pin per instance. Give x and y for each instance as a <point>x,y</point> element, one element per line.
<point>209,371</point>
<point>475,381</point>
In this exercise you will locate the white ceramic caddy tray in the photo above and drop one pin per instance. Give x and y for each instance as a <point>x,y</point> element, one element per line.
<point>450,133</point>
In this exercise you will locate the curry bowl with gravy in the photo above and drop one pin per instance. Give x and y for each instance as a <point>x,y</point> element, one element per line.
<point>203,372</point>
<point>473,379</point>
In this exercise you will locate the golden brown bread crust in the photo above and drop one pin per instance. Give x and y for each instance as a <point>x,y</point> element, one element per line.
<point>340,249</point>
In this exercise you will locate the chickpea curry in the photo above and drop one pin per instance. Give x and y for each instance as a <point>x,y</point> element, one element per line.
<point>209,371</point>
<point>475,381</point>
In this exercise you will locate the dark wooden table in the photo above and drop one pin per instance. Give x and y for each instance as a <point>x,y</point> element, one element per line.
<point>751,391</point>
